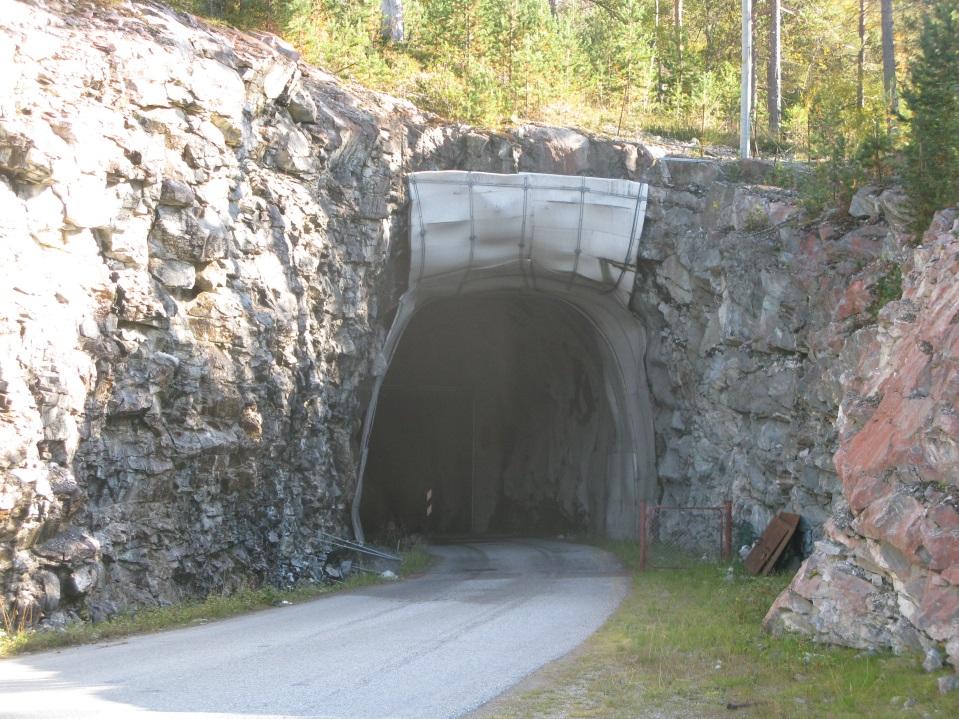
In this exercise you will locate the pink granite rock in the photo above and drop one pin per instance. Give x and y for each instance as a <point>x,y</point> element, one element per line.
<point>889,577</point>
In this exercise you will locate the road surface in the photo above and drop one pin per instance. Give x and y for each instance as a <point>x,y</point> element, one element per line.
<point>485,616</point>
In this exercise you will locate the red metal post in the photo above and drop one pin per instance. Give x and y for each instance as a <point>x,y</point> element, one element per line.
<point>727,530</point>
<point>642,535</point>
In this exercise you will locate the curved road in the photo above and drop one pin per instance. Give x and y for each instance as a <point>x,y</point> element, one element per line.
<point>486,615</point>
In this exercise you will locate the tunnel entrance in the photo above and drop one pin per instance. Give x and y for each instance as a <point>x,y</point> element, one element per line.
<point>492,419</point>
<point>531,276</point>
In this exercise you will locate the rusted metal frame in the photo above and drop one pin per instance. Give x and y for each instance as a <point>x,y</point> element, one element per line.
<point>774,540</point>
<point>725,527</point>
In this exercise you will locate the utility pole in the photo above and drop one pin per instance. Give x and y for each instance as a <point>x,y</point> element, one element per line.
<point>747,76</point>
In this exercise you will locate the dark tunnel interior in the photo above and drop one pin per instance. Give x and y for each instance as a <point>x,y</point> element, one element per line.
<point>493,419</point>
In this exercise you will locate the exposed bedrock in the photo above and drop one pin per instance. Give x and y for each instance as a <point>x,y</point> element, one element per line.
<point>887,572</point>
<point>205,240</point>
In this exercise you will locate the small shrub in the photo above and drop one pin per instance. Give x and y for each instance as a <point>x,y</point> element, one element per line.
<point>756,220</point>
<point>875,153</point>
<point>831,183</point>
<point>888,289</point>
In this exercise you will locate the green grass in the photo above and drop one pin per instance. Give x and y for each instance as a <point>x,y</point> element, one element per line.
<point>415,560</point>
<point>689,643</point>
<point>153,619</point>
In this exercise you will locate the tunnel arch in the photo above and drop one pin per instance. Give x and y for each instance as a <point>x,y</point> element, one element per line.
<point>573,240</point>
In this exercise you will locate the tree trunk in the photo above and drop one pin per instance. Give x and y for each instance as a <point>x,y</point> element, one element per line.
<point>678,28</point>
<point>889,58</point>
<point>391,27</point>
<point>510,48</point>
<point>659,60</point>
<point>774,69</point>
<point>861,59</point>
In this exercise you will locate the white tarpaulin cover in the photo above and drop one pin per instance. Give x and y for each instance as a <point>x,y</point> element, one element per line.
<point>575,239</point>
<point>479,231</point>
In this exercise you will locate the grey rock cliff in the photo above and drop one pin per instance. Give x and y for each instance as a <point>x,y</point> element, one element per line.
<point>189,310</point>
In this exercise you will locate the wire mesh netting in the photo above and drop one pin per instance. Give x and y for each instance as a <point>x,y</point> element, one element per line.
<point>677,537</point>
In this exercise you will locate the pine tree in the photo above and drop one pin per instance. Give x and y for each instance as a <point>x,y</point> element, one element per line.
<point>932,155</point>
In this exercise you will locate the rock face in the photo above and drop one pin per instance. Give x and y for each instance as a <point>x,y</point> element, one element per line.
<point>189,309</point>
<point>205,241</point>
<point>887,573</point>
<point>747,312</point>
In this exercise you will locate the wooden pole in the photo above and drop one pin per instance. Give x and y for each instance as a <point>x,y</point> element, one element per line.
<point>642,535</point>
<point>746,89</point>
<point>727,530</point>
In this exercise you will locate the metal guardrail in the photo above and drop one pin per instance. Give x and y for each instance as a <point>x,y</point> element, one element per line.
<point>349,544</point>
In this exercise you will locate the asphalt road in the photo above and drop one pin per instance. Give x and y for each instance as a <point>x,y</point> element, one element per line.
<point>485,616</point>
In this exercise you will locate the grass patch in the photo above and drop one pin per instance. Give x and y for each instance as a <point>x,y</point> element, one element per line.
<point>19,640</point>
<point>415,560</point>
<point>689,643</point>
